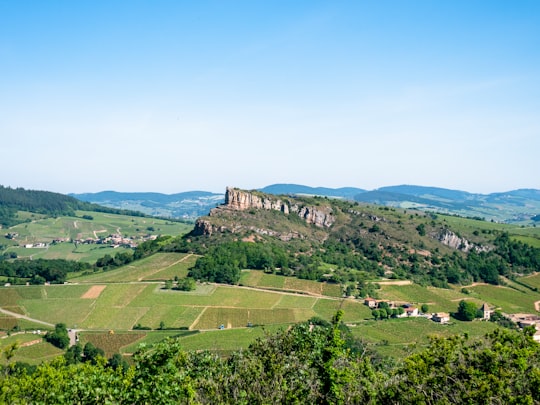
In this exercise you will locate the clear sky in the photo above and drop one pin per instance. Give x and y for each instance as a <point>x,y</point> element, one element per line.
<point>171,96</point>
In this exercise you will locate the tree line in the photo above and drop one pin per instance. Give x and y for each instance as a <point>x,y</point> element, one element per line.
<point>357,259</point>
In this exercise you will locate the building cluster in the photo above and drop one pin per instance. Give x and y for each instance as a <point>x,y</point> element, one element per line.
<point>408,309</point>
<point>412,311</point>
<point>527,320</point>
<point>113,240</point>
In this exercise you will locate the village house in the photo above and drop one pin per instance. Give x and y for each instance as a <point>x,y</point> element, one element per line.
<point>371,302</point>
<point>441,317</point>
<point>486,311</point>
<point>411,311</point>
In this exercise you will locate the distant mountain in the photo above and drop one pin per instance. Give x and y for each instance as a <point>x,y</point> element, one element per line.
<point>13,200</point>
<point>188,205</point>
<point>297,189</point>
<point>518,206</point>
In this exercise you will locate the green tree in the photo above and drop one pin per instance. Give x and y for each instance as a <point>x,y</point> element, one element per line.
<point>59,337</point>
<point>501,368</point>
<point>424,308</point>
<point>466,311</point>
<point>91,353</point>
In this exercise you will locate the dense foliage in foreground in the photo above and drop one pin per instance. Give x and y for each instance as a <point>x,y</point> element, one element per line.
<point>304,364</point>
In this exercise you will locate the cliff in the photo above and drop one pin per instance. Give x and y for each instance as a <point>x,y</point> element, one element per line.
<point>244,200</point>
<point>239,200</point>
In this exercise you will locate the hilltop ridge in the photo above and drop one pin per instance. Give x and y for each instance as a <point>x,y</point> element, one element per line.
<point>332,239</point>
<point>518,206</point>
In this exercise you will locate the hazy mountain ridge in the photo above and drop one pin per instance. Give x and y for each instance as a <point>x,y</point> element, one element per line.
<point>522,205</point>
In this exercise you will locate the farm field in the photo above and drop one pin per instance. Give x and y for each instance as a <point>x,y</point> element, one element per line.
<point>83,253</point>
<point>257,278</point>
<point>160,266</point>
<point>120,306</point>
<point>508,299</point>
<point>32,349</point>
<point>532,280</point>
<point>398,337</point>
<point>438,299</point>
<point>122,298</point>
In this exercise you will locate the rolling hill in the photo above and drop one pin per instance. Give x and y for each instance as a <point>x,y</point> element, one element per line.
<point>338,240</point>
<point>517,206</point>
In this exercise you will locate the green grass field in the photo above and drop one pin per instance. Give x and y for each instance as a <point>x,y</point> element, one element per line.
<point>119,299</point>
<point>532,280</point>
<point>47,229</point>
<point>397,337</point>
<point>32,349</point>
<point>160,266</point>
<point>257,278</point>
<point>508,299</point>
<point>437,299</point>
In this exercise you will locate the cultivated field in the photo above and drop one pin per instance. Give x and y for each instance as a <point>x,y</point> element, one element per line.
<point>105,307</point>
<point>256,278</point>
<point>158,267</point>
<point>398,337</point>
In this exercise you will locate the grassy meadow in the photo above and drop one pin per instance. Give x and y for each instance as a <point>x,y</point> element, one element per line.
<point>45,230</point>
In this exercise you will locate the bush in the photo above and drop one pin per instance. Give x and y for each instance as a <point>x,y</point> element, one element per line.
<point>59,337</point>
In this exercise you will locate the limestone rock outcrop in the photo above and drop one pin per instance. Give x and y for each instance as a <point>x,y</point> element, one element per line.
<point>240,200</point>
<point>449,238</point>
<point>244,200</point>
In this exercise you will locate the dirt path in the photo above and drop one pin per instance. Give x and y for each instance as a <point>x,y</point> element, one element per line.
<point>396,282</point>
<point>16,315</point>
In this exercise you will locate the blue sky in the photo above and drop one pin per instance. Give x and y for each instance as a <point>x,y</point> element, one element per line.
<point>171,96</point>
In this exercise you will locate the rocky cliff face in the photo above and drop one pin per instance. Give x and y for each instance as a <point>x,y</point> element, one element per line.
<point>449,238</point>
<point>239,200</point>
<point>243,200</point>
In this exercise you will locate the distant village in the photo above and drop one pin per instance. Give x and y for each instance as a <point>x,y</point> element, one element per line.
<point>112,240</point>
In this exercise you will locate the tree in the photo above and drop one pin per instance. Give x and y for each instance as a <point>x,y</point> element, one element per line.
<point>118,361</point>
<point>466,311</point>
<point>59,337</point>
<point>186,284</point>
<point>73,355</point>
<point>424,308</point>
<point>502,368</point>
<point>91,353</point>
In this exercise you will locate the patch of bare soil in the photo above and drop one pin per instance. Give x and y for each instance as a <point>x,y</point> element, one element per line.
<point>93,292</point>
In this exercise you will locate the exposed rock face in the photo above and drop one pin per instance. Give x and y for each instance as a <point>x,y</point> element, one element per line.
<point>204,227</point>
<point>243,200</point>
<point>239,200</point>
<point>449,238</point>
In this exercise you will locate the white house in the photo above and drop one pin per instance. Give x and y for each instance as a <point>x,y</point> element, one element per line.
<point>441,317</point>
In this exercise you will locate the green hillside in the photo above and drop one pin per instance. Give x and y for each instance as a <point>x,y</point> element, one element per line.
<point>358,243</point>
